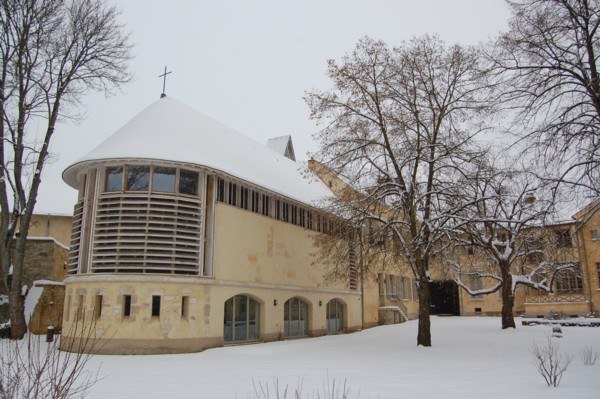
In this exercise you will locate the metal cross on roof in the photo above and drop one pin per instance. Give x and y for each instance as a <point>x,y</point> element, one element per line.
<point>164,76</point>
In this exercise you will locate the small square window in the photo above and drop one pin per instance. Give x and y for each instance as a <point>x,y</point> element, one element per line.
<point>188,182</point>
<point>138,178</point>
<point>114,179</point>
<point>595,235</point>
<point>163,179</point>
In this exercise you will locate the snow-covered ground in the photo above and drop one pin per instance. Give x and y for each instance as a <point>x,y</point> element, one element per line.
<point>470,358</point>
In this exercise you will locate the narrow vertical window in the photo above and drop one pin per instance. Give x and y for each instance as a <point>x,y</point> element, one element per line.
<point>155,305</point>
<point>595,235</point>
<point>98,307</point>
<point>278,209</point>
<point>68,307</point>
<point>220,190</point>
<point>126,305</point>
<point>265,205</point>
<point>255,201</point>
<point>79,311</point>
<point>244,196</point>
<point>185,307</point>
<point>232,194</point>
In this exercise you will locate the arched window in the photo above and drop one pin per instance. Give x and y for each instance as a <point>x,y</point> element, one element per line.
<point>335,316</point>
<point>241,319</point>
<point>295,320</point>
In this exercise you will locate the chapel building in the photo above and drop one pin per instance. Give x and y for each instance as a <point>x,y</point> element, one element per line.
<point>189,235</point>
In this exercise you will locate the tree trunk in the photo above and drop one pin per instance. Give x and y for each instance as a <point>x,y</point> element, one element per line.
<point>508,300</point>
<point>424,333</point>
<point>18,326</point>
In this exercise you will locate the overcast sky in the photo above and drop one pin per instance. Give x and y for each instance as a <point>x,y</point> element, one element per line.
<point>247,63</point>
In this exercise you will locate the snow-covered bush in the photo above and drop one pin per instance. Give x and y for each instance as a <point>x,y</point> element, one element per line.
<point>331,389</point>
<point>550,363</point>
<point>588,356</point>
<point>33,369</point>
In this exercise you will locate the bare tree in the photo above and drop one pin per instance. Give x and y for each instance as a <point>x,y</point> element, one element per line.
<point>549,61</point>
<point>399,126</point>
<point>503,242</point>
<point>52,52</point>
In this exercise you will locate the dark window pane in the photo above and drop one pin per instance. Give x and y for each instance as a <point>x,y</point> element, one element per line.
<point>138,178</point>
<point>188,182</point>
<point>127,306</point>
<point>114,179</point>
<point>163,179</point>
<point>335,321</point>
<point>295,318</point>
<point>241,315</point>
<point>228,326</point>
<point>155,305</point>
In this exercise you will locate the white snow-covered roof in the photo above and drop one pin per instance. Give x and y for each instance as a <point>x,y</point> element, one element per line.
<point>171,131</point>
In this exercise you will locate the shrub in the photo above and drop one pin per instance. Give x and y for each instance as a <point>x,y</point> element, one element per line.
<point>588,356</point>
<point>550,363</point>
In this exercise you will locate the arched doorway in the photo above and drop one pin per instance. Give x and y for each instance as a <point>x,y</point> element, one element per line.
<point>335,316</point>
<point>241,318</point>
<point>295,319</point>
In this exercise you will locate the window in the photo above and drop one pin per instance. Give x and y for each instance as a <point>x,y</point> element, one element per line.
<point>155,305</point>
<point>126,305</point>
<point>335,316</point>
<point>79,311</point>
<point>415,291</point>
<point>563,238</point>
<point>244,196</point>
<point>406,291</point>
<point>285,212</point>
<point>278,209</point>
<point>220,190</point>
<point>295,320</point>
<point>138,178</point>
<point>98,307</point>
<point>400,285</point>
<point>569,281</point>
<point>232,194</point>
<point>188,182</point>
<point>598,272</point>
<point>114,179</point>
<point>389,287</point>
<point>595,235</point>
<point>185,307</point>
<point>241,319</point>
<point>475,284</point>
<point>255,199</point>
<point>265,205</point>
<point>163,179</point>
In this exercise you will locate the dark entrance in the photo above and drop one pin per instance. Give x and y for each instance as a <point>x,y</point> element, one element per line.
<point>444,298</point>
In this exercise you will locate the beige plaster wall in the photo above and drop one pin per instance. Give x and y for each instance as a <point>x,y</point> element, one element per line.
<point>590,256</point>
<point>203,328</point>
<point>263,258</point>
<point>252,247</point>
<point>55,226</point>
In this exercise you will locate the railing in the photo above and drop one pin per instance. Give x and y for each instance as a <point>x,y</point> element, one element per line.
<point>556,298</point>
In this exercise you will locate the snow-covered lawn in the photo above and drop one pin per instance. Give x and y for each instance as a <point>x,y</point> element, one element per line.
<point>471,358</point>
